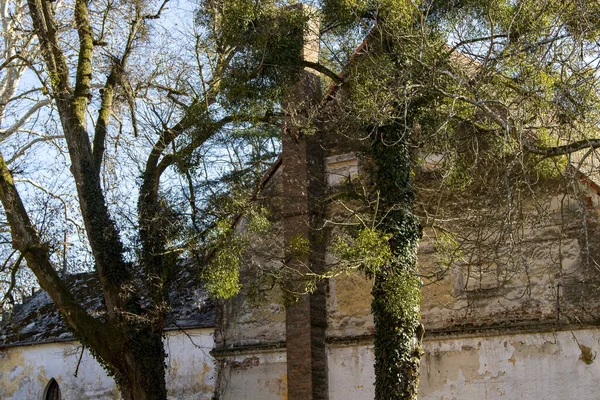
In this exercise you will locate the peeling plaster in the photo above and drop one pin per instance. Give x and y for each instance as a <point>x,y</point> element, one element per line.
<point>521,366</point>
<point>26,370</point>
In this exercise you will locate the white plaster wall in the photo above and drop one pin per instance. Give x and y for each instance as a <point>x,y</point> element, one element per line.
<point>548,366</point>
<point>351,373</point>
<point>26,370</point>
<point>255,376</point>
<point>190,367</point>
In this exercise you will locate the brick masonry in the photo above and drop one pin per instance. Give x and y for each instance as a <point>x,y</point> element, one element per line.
<point>303,187</point>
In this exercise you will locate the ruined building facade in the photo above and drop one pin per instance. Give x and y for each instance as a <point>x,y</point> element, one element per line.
<point>521,324</point>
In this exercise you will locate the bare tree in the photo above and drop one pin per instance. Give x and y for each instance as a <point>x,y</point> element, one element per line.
<point>134,108</point>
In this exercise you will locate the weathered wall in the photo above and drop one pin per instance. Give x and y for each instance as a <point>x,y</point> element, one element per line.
<point>190,367</point>
<point>551,366</point>
<point>26,370</point>
<point>254,375</point>
<point>546,365</point>
<point>351,372</point>
<point>548,277</point>
<point>349,306</point>
<point>545,281</point>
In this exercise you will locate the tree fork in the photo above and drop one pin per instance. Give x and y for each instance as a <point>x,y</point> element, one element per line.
<point>26,240</point>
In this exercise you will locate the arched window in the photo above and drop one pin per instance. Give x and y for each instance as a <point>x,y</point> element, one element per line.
<point>52,391</point>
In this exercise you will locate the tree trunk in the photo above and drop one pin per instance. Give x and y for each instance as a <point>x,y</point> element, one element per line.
<point>143,371</point>
<point>397,287</point>
<point>397,349</point>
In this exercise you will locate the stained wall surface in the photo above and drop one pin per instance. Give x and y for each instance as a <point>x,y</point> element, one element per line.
<point>536,365</point>
<point>242,320</point>
<point>26,370</point>
<point>498,323</point>
<point>254,375</point>
<point>549,366</point>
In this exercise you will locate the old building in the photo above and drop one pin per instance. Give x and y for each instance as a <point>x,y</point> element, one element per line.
<point>521,324</point>
<point>494,330</point>
<point>517,321</point>
<point>40,358</point>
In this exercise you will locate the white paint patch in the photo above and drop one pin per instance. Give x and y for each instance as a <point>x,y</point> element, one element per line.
<point>351,373</point>
<point>255,376</point>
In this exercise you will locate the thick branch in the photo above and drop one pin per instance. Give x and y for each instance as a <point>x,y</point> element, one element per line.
<point>101,231</point>
<point>103,119</point>
<point>151,176</point>
<point>564,149</point>
<point>36,253</point>
<point>45,29</point>
<point>152,232</point>
<point>203,134</point>
<point>505,124</point>
<point>83,77</point>
<point>324,70</point>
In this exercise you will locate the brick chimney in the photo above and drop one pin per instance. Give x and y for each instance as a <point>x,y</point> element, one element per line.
<point>303,188</point>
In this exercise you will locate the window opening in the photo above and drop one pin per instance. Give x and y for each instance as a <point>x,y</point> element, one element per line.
<point>52,391</point>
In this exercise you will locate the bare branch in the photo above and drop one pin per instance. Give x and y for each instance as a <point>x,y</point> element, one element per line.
<point>564,149</point>
<point>30,144</point>
<point>15,127</point>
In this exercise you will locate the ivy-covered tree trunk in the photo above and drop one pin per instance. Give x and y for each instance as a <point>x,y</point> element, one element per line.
<point>396,289</point>
<point>128,341</point>
<point>144,359</point>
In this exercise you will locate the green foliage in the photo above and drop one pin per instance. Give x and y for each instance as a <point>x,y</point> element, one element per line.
<point>367,250</point>
<point>458,177</point>
<point>221,274</point>
<point>446,249</point>
<point>221,277</point>
<point>299,246</point>
<point>476,81</point>
<point>267,39</point>
<point>374,90</point>
<point>547,167</point>
<point>258,220</point>
<point>349,13</point>
<point>503,87</point>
